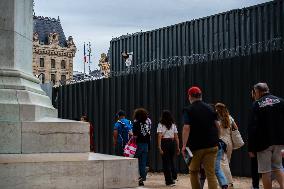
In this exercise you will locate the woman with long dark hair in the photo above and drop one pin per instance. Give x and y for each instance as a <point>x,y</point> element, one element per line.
<point>141,131</point>
<point>168,145</point>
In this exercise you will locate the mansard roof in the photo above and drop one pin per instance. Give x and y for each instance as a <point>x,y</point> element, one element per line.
<point>43,26</point>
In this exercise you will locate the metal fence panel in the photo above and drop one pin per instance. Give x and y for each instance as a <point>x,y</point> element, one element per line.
<point>215,33</point>
<point>224,80</point>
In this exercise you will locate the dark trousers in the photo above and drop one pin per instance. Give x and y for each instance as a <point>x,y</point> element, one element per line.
<point>119,149</point>
<point>254,173</point>
<point>168,157</point>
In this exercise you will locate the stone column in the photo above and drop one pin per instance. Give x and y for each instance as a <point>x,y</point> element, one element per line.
<point>28,122</point>
<point>20,93</point>
<point>38,150</point>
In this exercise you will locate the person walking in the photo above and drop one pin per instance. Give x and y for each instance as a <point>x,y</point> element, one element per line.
<point>84,118</point>
<point>227,124</point>
<point>200,134</point>
<point>141,131</point>
<point>222,180</point>
<point>222,148</point>
<point>121,133</point>
<point>168,145</point>
<point>265,134</point>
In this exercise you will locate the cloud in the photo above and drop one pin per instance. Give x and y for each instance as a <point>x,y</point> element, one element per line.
<point>98,21</point>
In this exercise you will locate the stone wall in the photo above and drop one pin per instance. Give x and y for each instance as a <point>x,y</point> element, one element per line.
<point>59,54</point>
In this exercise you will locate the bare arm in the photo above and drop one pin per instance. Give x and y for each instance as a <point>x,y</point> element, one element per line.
<point>159,143</point>
<point>177,143</point>
<point>217,124</point>
<point>235,125</point>
<point>115,134</point>
<point>185,135</point>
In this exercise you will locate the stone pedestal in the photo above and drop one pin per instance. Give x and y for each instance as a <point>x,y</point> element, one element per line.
<point>77,170</point>
<point>38,150</point>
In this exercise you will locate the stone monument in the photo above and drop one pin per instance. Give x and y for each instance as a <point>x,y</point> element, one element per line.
<point>38,150</point>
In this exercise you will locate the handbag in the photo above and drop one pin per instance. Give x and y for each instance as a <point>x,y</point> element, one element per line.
<point>237,139</point>
<point>130,148</point>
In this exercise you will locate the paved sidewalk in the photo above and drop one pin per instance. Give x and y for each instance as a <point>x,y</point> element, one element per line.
<point>156,180</point>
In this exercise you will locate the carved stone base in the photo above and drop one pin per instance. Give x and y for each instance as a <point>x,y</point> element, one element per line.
<point>47,135</point>
<point>71,170</point>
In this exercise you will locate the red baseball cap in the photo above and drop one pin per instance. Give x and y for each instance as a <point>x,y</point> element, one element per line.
<point>194,90</point>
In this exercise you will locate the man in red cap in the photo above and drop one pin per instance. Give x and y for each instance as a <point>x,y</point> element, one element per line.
<point>200,134</point>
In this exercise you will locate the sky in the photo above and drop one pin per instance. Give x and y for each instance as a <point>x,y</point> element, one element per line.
<point>98,21</point>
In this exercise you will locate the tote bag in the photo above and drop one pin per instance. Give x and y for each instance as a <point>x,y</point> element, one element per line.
<point>237,139</point>
<point>130,148</point>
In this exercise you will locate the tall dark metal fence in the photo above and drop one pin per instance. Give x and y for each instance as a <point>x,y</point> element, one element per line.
<point>227,80</point>
<point>234,29</point>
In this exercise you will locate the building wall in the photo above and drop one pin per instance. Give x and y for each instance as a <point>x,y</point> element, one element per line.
<point>57,53</point>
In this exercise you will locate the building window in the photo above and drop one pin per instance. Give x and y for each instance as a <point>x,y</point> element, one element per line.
<point>53,78</point>
<point>63,64</point>
<point>41,62</point>
<point>52,63</point>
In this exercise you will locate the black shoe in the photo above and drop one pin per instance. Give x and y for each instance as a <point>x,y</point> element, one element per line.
<point>171,183</point>
<point>225,187</point>
<point>141,183</point>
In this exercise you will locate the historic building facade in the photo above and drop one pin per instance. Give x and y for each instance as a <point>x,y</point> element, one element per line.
<point>52,53</point>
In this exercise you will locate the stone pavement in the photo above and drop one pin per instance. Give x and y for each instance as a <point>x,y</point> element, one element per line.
<point>156,180</point>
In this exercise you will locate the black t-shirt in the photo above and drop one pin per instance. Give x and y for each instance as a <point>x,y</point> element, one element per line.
<point>203,131</point>
<point>266,126</point>
<point>142,132</point>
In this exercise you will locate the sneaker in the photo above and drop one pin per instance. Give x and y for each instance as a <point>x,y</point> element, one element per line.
<point>171,183</point>
<point>225,187</point>
<point>231,186</point>
<point>141,183</point>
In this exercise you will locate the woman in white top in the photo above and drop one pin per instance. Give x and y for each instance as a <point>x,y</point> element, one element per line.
<point>168,145</point>
<point>227,125</point>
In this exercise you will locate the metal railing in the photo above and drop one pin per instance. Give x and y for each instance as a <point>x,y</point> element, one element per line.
<point>253,48</point>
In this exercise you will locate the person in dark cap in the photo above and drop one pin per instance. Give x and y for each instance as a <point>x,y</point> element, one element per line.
<point>121,132</point>
<point>200,134</point>
<point>265,134</point>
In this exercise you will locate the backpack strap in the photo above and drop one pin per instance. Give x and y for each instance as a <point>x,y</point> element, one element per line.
<point>123,125</point>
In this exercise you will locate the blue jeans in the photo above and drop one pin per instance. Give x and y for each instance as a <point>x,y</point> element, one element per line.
<point>142,154</point>
<point>218,170</point>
